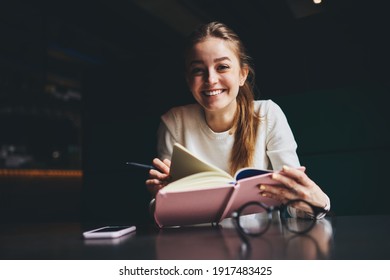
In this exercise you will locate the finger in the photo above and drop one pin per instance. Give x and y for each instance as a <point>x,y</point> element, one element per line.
<point>153,182</point>
<point>284,180</point>
<point>297,182</point>
<point>167,162</point>
<point>278,192</point>
<point>160,165</point>
<point>155,174</point>
<point>298,175</point>
<point>273,196</point>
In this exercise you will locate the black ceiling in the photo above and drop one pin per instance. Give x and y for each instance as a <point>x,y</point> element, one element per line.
<point>306,46</point>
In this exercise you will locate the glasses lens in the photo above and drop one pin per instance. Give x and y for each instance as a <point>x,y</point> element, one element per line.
<point>298,216</point>
<point>254,219</point>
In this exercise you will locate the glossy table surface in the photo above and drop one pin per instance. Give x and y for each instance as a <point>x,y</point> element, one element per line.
<point>342,237</point>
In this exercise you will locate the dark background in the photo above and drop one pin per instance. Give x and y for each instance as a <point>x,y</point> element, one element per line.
<point>88,80</point>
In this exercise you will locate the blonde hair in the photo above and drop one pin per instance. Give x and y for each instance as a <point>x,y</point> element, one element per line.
<point>246,122</point>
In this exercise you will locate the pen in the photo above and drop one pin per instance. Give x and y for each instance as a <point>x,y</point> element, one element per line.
<point>141,165</point>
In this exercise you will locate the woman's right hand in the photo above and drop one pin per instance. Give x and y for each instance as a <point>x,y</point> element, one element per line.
<point>159,177</point>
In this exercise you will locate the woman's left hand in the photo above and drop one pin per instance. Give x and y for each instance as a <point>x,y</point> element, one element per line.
<point>295,184</point>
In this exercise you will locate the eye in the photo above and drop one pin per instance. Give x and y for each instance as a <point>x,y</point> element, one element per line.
<point>223,67</point>
<point>196,71</point>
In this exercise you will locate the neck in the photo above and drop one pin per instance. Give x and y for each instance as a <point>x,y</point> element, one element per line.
<point>220,121</point>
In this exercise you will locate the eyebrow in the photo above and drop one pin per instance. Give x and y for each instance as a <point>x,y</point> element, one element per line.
<point>215,60</point>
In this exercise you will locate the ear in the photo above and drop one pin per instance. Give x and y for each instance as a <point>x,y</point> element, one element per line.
<point>243,74</point>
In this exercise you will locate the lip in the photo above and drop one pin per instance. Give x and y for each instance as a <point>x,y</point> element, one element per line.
<point>212,92</point>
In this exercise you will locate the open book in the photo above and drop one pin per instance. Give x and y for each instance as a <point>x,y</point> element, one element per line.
<point>201,193</point>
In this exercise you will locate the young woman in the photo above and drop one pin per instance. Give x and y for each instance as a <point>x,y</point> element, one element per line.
<point>226,126</point>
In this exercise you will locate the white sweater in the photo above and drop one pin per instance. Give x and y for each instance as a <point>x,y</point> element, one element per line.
<point>186,125</point>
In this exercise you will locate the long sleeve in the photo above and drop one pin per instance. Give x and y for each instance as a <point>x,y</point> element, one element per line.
<point>280,143</point>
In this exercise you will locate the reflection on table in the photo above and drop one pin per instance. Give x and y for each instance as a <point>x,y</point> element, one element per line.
<point>223,242</point>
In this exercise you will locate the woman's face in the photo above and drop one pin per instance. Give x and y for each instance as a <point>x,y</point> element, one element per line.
<point>214,75</point>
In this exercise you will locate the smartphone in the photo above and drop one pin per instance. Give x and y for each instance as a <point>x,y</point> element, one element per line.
<point>109,232</point>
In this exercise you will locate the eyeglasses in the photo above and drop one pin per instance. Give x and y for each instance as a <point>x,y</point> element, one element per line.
<point>298,216</point>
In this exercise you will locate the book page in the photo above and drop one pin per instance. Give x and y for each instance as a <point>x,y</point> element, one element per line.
<point>184,163</point>
<point>199,181</point>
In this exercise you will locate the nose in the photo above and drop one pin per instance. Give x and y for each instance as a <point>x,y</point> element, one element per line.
<point>211,77</point>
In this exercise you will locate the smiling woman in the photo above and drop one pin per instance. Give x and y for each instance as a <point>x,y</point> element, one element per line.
<point>214,76</point>
<point>227,127</point>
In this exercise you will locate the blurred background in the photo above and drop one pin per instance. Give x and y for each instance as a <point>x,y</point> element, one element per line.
<point>83,84</point>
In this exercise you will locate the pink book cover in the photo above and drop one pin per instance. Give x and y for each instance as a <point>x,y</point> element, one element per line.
<point>248,190</point>
<point>191,207</point>
<point>208,205</point>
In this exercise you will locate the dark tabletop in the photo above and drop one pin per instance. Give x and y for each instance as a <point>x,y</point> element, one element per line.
<point>342,237</point>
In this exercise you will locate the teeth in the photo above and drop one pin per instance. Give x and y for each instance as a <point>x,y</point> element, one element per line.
<point>213,92</point>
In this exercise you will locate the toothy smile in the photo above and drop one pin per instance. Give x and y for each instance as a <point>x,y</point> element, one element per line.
<point>213,92</point>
